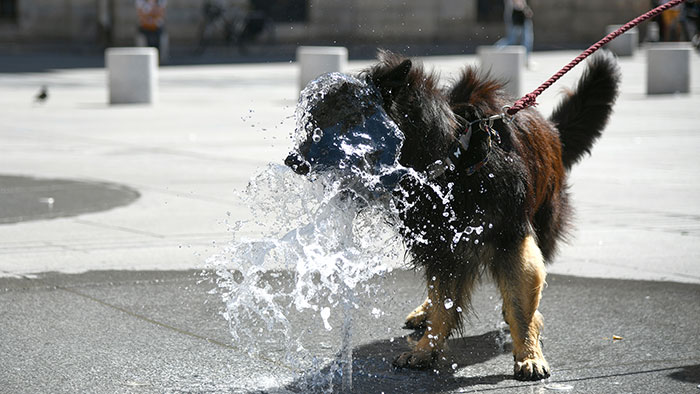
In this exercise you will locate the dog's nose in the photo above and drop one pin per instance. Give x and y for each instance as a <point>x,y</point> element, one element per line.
<point>297,163</point>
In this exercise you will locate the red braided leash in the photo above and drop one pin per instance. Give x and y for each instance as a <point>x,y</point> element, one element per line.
<point>529,99</point>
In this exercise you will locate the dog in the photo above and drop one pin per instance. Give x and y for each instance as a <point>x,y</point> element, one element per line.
<point>488,194</point>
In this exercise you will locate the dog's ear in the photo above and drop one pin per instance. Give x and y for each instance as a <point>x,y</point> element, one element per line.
<point>393,80</point>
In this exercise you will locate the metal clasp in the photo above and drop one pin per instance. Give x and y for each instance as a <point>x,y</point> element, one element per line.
<point>502,116</point>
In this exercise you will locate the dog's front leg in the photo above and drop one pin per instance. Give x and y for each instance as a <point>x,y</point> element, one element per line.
<point>521,279</point>
<point>439,323</point>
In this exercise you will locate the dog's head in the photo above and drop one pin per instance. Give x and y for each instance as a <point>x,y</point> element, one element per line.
<point>343,127</point>
<point>390,120</point>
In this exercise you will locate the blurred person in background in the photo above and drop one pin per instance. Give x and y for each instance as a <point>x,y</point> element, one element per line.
<point>690,22</point>
<point>105,21</point>
<point>151,30</point>
<point>671,26</point>
<point>517,16</point>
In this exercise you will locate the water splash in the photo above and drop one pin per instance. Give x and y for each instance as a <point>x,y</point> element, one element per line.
<point>558,387</point>
<point>305,246</point>
<point>296,264</point>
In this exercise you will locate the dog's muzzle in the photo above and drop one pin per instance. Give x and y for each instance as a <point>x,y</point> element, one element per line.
<point>297,163</point>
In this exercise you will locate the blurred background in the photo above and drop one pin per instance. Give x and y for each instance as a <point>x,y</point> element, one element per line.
<point>84,25</point>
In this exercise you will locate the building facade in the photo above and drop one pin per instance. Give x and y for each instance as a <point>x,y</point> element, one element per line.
<point>113,22</point>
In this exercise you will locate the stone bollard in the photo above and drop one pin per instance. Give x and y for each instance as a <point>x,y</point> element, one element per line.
<point>625,44</point>
<point>132,75</point>
<point>315,61</point>
<point>668,68</point>
<point>505,63</point>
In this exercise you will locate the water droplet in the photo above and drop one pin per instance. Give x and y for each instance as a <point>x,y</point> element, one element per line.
<point>49,201</point>
<point>448,303</point>
<point>325,314</point>
<point>317,135</point>
<point>454,366</point>
<point>558,387</point>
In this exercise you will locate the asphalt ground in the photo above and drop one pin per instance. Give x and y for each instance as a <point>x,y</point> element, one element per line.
<point>161,332</point>
<point>101,290</point>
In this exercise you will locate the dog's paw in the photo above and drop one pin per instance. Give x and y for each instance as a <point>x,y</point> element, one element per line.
<point>531,369</point>
<point>415,359</point>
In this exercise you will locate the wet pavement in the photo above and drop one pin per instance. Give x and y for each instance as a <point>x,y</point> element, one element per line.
<point>155,332</point>
<point>106,296</point>
<point>27,198</point>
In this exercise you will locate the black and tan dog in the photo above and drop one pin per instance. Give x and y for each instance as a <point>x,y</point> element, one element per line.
<point>495,200</point>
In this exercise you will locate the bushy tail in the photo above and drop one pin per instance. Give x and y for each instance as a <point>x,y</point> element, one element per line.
<point>582,116</point>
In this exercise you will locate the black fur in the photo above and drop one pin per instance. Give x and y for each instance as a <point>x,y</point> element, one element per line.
<point>582,116</point>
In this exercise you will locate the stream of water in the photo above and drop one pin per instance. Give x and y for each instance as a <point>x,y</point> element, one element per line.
<point>330,243</point>
<point>327,233</point>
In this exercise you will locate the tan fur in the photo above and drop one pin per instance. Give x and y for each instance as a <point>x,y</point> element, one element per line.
<point>521,294</point>
<point>417,318</point>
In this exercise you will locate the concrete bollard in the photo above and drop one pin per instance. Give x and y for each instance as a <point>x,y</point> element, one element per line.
<point>315,61</point>
<point>505,63</point>
<point>668,68</point>
<point>625,44</point>
<point>132,75</point>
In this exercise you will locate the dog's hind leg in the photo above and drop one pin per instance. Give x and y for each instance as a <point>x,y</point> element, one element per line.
<point>521,278</point>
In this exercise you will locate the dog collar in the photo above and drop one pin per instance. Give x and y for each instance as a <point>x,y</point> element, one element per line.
<point>461,146</point>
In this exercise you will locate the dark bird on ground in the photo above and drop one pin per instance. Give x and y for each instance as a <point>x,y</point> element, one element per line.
<point>43,95</point>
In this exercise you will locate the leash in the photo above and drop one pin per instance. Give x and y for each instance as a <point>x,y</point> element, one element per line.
<point>508,112</point>
<point>529,99</point>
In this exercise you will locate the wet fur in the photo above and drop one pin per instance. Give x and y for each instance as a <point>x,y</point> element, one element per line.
<point>519,198</point>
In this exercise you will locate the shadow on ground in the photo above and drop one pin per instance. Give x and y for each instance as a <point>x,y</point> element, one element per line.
<point>23,60</point>
<point>373,371</point>
<point>43,59</point>
<point>689,374</point>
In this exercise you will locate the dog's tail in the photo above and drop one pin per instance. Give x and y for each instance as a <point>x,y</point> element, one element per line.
<point>582,116</point>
